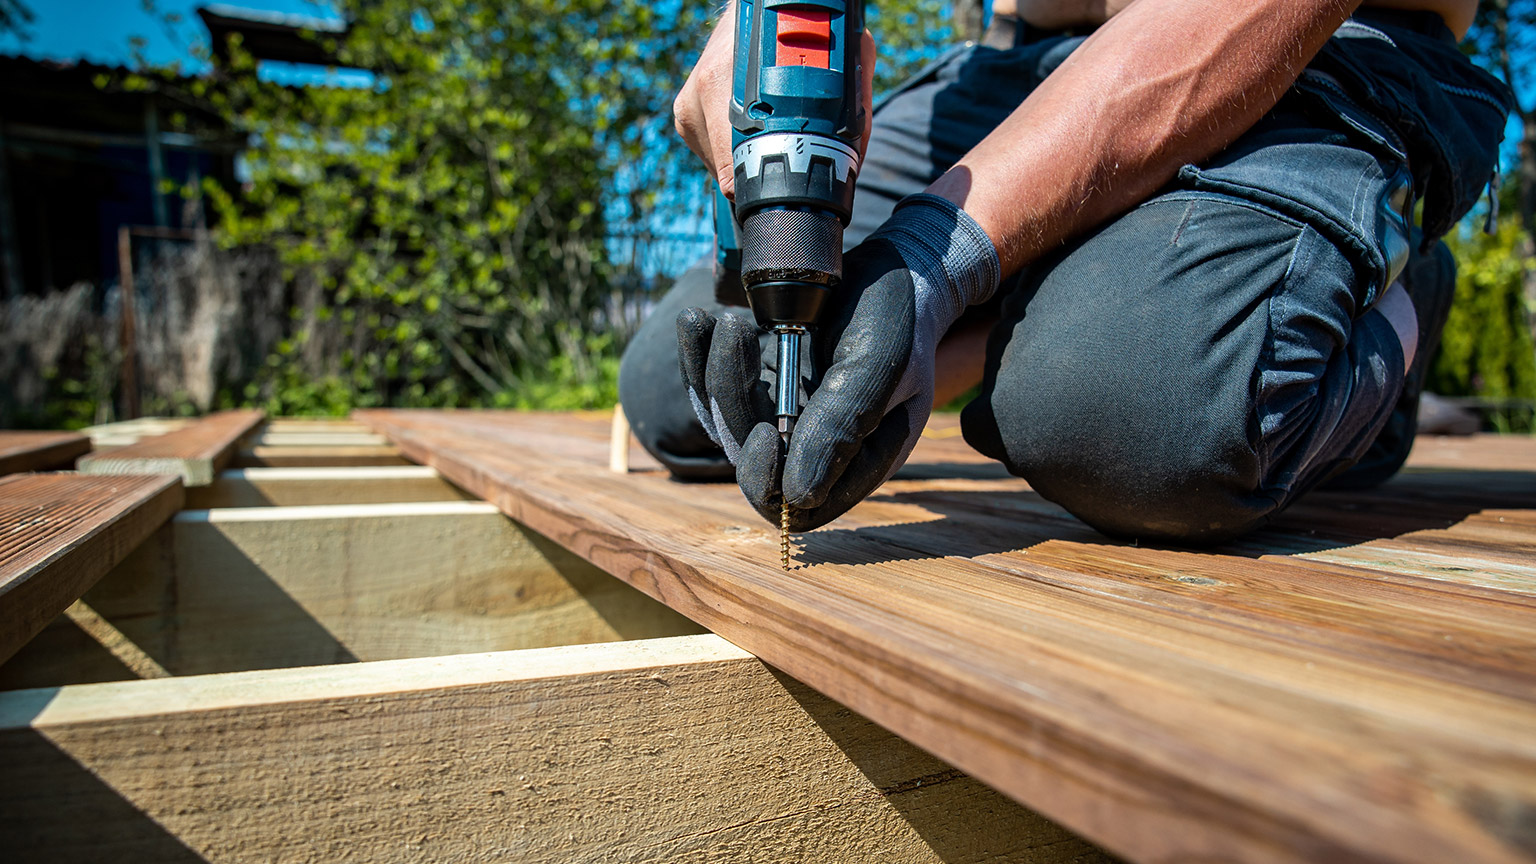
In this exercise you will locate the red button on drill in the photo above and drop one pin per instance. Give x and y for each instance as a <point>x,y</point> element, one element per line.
<point>804,38</point>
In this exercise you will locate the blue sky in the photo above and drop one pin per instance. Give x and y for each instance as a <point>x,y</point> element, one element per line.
<point>99,30</point>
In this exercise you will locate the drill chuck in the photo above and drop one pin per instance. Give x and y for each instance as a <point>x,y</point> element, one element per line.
<point>790,262</point>
<point>795,168</point>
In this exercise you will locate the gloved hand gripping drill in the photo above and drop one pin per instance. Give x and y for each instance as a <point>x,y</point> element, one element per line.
<point>871,320</point>
<point>797,117</point>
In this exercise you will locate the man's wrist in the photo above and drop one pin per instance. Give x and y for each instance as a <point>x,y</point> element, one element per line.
<point>945,248</point>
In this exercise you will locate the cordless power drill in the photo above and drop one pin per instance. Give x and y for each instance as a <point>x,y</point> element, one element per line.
<point>797,116</point>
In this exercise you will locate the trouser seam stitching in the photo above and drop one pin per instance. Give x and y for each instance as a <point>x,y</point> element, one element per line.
<point>1198,195</point>
<point>1301,257</point>
<point>1357,211</point>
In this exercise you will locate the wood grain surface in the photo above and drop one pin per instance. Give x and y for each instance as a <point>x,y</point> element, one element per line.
<point>267,587</point>
<point>60,533</point>
<point>1357,682</point>
<point>666,751</point>
<point>288,487</point>
<point>195,452</point>
<point>40,451</point>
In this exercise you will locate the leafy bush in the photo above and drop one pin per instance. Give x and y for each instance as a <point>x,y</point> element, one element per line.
<point>1486,350</point>
<point>457,211</point>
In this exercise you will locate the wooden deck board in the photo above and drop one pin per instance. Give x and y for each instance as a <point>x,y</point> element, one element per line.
<point>1356,682</point>
<point>59,533</point>
<point>40,451</point>
<point>196,452</point>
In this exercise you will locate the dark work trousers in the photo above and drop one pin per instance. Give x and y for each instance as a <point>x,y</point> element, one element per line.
<point>1188,369</point>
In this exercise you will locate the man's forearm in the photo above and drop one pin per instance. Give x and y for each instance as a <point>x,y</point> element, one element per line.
<point>1162,84</point>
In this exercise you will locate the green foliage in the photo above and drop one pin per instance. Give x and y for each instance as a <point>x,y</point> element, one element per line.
<point>909,34</point>
<point>460,213</point>
<point>1486,349</point>
<point>71,402</point>
<point>565,388</point>
<point>288,391</point>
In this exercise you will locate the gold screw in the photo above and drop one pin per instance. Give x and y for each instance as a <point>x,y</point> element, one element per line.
<point>784,533</point>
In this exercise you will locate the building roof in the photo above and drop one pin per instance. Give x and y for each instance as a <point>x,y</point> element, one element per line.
<point>271,35</point>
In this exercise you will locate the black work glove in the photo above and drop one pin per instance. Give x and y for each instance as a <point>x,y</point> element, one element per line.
<point>872,358</point>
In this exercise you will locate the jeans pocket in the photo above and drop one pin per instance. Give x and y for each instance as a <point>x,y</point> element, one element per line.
<point>1360,208</point>
<point>1394,205</point>
<point>1360,200</point>
<point>1448,114</point>
<point>1329,98</point>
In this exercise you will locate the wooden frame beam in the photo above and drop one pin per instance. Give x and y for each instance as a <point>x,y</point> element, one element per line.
<point>320,456</point>
<point>267,437</point>
<point>287,487</point>
<point>665,750</point>
<point>270,587</point>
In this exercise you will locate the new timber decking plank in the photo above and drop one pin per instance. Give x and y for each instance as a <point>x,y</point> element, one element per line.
<point>196,451</point>
<point>40,451</point>
<point>59,533</point>
<point>1318,691</point>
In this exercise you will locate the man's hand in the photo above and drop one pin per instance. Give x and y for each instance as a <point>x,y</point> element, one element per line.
<point>850,430</point>
<point>701,112</point>
<point>901,290</point>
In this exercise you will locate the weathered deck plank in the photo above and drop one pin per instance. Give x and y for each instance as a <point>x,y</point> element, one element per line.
<point>195,452</point>
<point>40,451</point>
<point>1317,692</point>
<point>59,533</point>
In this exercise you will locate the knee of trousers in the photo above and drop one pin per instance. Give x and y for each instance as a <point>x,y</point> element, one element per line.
<point>1120,382</point>
<point>1144,475</point>
<point>651,388</point>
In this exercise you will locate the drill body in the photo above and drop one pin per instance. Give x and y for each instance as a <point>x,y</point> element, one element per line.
<point>797,117</point>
